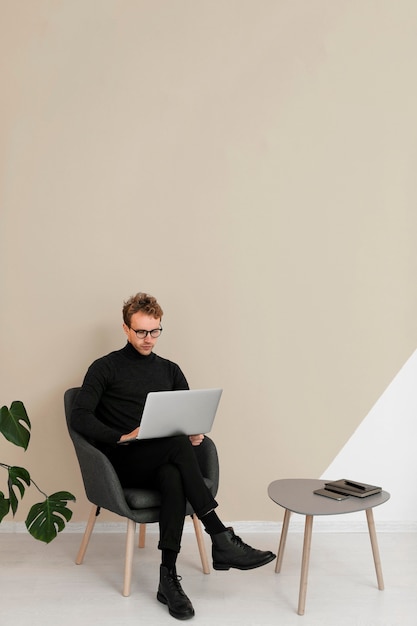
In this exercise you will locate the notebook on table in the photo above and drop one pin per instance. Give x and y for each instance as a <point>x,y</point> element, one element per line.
<point>352,488</point>
<point>183,412</point>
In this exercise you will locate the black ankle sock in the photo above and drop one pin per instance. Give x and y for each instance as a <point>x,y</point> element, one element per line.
<point>213,524</point>
<point>169,559</point>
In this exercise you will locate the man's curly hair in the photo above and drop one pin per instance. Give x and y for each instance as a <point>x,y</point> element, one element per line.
<point>141,302</point>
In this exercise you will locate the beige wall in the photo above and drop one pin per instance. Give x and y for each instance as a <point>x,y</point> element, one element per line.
<point>250,163</point>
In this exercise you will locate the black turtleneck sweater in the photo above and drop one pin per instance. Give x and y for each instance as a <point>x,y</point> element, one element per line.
<point>111,400</point>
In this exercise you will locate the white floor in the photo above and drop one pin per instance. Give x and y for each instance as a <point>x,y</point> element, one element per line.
<point>41,585</point>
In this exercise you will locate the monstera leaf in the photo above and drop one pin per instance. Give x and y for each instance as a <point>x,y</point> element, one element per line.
<point>17,477</point>
<point>15,424</point>
<point>46,519</point>
<point>4,506</point>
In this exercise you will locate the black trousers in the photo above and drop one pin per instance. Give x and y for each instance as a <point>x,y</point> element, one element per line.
<point>169,465</point>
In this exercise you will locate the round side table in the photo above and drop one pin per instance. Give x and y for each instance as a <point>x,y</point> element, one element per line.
<point>296,495</point>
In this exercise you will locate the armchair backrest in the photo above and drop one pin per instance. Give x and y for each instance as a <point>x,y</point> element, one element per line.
<point>101,483</point>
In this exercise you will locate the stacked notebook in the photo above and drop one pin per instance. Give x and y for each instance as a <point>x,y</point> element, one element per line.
<point>352,488</point>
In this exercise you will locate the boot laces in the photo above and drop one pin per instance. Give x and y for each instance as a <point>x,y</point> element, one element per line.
<point>239,543</point>
<point>175,582</point>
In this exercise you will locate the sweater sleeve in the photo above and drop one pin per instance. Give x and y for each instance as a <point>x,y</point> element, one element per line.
<point>83,416</point>
<point>179,380</point>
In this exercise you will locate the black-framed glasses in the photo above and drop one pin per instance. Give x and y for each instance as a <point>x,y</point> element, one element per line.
<point>142,334</point>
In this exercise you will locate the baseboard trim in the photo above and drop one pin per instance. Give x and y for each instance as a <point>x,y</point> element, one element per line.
<point>321,525</point>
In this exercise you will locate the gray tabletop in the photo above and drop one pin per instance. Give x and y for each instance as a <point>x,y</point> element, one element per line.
<point>296,495</point>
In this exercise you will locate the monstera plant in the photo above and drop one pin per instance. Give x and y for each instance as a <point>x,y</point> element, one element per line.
<point>47,518</point>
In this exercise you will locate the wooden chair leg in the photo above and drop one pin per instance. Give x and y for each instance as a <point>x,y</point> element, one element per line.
<point>201,544</point>
<point>142,535</point>
<point>95,510</point>
<point>130,541</point>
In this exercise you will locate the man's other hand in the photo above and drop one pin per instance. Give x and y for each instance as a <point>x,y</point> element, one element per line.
<point>196,439</point>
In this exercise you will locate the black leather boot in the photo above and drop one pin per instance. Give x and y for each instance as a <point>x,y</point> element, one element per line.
<point>229,550</point>
<point>170,593</point>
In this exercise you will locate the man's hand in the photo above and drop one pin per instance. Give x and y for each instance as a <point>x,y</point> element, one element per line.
<point>129,436</point>
<point>196,439</point>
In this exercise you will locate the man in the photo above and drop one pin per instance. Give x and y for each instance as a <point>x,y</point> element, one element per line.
<point>107,411</point>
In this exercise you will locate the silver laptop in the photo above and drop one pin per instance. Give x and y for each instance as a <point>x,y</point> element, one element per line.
<point>185,412</point>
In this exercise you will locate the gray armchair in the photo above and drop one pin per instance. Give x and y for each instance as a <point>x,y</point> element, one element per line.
<point>141,506</point>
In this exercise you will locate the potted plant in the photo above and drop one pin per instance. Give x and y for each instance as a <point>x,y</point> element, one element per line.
<point>47,518</point>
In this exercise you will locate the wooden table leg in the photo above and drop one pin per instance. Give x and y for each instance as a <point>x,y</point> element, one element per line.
<point>304,564</point>
<point>375,550</point>
<point>283,540</point>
